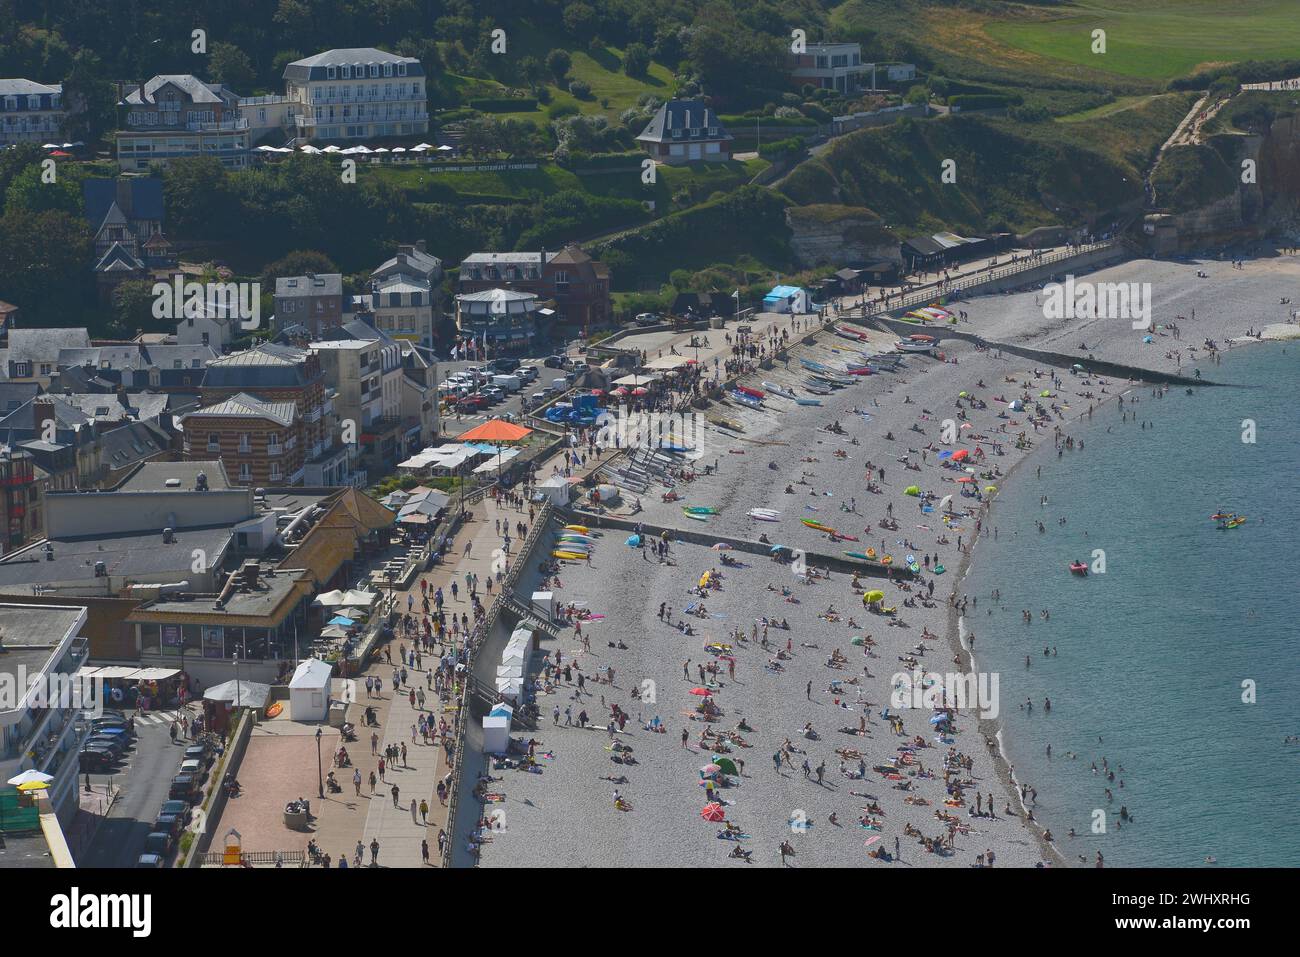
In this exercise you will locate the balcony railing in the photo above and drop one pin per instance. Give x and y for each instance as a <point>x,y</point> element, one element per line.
<point>274,449</point>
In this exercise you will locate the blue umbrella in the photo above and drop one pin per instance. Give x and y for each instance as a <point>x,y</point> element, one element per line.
<point>946,453</point>
<point>777,548</point>
<point>938,718</point>
<point>340,620</point>
<point>633,540</point>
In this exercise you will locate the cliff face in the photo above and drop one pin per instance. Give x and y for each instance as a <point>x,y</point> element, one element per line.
<point>1268,207</point>
<point>822,234</point>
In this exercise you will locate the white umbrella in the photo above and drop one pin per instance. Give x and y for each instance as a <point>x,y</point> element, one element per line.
<point>361,148</point>
<point>445,149</point>
<point>31,776</point>
<point>331,149</point>
<point>382,149</point>
<point>50,146</point>
<point>399,149</point>
<point>329,598</point>
<point>421,148</point>
<point>308,148</point>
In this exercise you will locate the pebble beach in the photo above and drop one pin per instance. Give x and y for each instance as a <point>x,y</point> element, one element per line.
<point>784,459</point>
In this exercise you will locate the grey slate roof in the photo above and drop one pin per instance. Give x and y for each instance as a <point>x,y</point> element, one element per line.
<point>119,259</point>
<point>683,115</point>
<point>43,345</point>
<point>410,261</point>
<point>316,67</point>
<point>66,416</point>
<point>131,444</point>
<point>321,284</point>
<point>189,84</point>
<point>144,198</point>
<point>506,259</point>
<point>18,87</point>
<point>124,555</point>
<point>264,366</point>
<point>248,406</point>
<point>14,394</point>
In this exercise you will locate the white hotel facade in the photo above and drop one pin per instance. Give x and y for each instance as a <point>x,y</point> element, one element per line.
<point>357,94</point>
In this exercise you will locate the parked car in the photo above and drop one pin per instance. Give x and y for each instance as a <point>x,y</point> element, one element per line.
<point>495,394</point>
<point>580,367</point>
<point>528,373</point>
<point>95,760</point>
<point>194,767</point>
<point>179,809</point>
<point>199,752</point>
<point>538,397</point>
<point>149,860</point>
<point>504,365</point>
<point>117,744</point>
<point>555,362</point>
<point>160,843</point>
<point>183,788</point>
<point>168,824</point>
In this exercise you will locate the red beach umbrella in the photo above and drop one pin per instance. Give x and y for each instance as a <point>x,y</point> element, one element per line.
<point>702,692</point>
<point>960,454</point>
<point>713,812</point>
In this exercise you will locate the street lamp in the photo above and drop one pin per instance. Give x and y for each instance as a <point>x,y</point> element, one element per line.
<point>320,771</point>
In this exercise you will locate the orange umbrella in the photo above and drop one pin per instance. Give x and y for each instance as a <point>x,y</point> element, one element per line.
<point>960,454</point>
<point>713,812</point>
<point>495,430</point>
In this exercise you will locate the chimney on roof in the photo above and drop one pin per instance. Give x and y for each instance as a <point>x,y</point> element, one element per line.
<point>420,245</point>
<point>43,413</point>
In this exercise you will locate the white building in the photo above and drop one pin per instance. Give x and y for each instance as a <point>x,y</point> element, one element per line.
<point>40,650</point>
<point>30,112</point>
<point>178,115</point>
<point>357,94</point>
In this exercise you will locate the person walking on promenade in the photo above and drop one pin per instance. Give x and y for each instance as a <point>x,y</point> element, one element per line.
<point>414,819</point>
<point>356,780</point>
<point>381,771</point>
<point>424,851</point>
<point>374,852</point>
<point>396,796</point>
<point>442,841</point>
<point>424,811</point>
<point>404,764</point>
<point>374,742</point>
<point>372,782</point>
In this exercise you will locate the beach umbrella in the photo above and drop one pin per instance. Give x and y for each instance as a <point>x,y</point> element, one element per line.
<point>965,478</point>
<point>938,718</point>
<point>1148,339</point>
<point>873,596</point>
<point>943,502</point>
<point>701,692</point>
<point>776,548</point>
<point>640,390</point>
<point>912,490</point>
<point>946,454</point>
<point>726,766</point>
<point>710,769</point>
<point>633,540</point>
<point>30,776</point>
<point>1015,405</point>
<point>340,620</point>
<point>713,812</point>
<point>963,395</point>
<point>721,547</point>
<point>960,454</point>
<point>1045,394</point>
<point>1077,366</point>
<point>990,488</point>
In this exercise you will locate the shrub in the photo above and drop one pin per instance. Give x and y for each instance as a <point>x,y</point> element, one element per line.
<point>504,104</point>
<point>559,110</point>
<point>580,89</point>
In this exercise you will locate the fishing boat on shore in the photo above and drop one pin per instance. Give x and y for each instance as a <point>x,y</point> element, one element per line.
<point>765,514</point>
<point>745,399</point>
<point>775,389</point>
<point>848,332</point>
<point>816,388</point>
<point>751,392</point>
<point>809,401</point>
<point>727,424</point>
<point>917,343</point>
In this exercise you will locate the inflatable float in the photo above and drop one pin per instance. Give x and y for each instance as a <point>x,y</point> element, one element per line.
<point>1079,568</point>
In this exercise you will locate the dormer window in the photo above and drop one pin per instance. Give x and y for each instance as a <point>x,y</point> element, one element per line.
<point>401,69</point>
<point>388,69</point>
<point>345,72</point>
<point>374,69</point>
<point>330,72</point>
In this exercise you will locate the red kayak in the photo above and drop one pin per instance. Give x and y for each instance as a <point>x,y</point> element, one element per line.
<point>858,371</point>
<point>756,393</point>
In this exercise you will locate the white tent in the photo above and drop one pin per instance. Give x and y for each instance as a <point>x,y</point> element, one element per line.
<point>362,599</point>
<point>309,691</point>
<point>557,489</point>
<point>330,598</point>
<point>243,694</point>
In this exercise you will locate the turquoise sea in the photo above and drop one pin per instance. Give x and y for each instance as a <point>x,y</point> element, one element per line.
<point>1152,655</point>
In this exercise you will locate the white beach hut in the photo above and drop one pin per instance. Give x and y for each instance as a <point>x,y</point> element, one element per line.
<point>309,691</point>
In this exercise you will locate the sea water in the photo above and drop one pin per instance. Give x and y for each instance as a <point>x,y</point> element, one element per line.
<point>1179,662</point>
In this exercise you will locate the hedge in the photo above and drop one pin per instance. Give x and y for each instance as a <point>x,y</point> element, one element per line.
<point>794,144</point>
<point>504,104</point>
<point>983,101</point>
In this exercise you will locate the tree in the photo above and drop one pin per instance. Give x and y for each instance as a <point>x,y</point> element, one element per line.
<point>579,19</point>
<point>229,65</point>
<point>298,263</point>
<point>90,98</point>
<point>133,304</point>
<point>45,264</point>
<point>29,191</point>
<point>200,200</point>
<point>558,63</point>
<point>531,71</point>
<point>636,59</point>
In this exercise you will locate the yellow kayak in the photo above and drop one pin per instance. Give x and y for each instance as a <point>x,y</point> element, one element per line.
<point>571,556</point>
<point>578,528</point>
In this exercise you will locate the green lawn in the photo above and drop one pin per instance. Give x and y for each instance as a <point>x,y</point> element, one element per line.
<point>1158,39</point>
